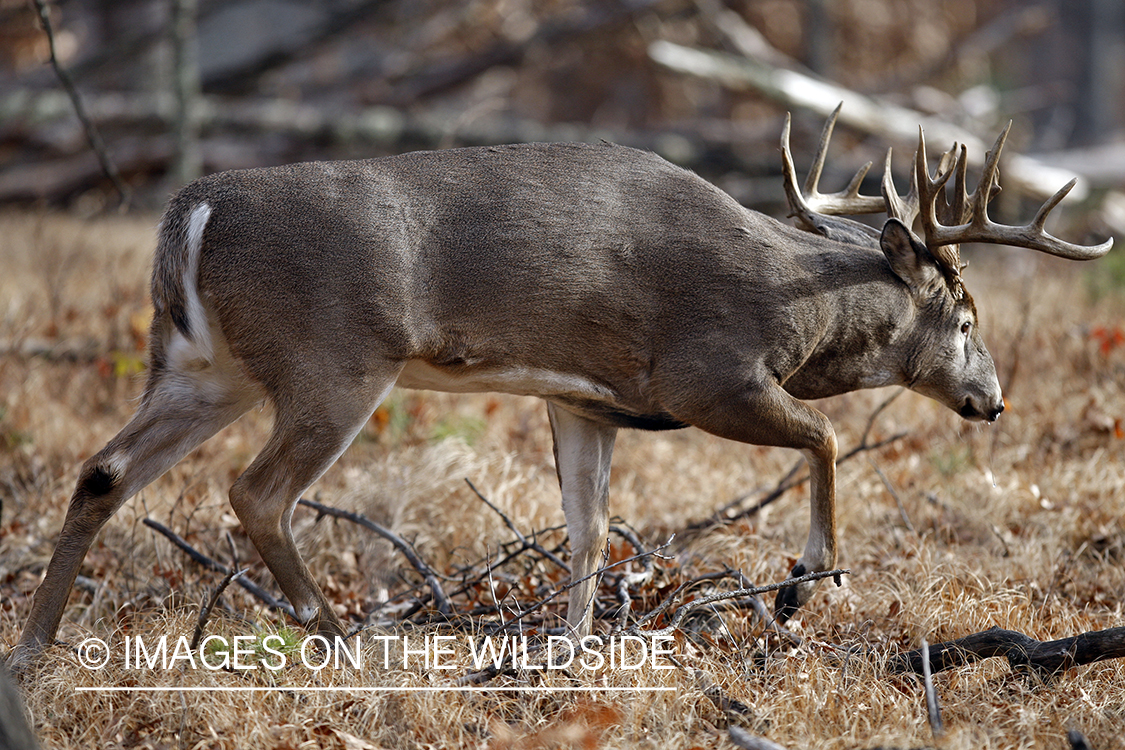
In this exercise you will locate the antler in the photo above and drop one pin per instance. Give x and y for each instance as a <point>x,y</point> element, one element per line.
<point>945,223</point>
<point>812,208</point>
<point>966,220</point>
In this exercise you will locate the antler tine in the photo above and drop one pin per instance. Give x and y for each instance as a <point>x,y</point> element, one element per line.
<point>898,207</point>
<point>990,178</point>
<point>849,193</point>
<point>812,181</point>
<point>845,202</point>
<point>958,208</point>
<point>929,189</point>
<point>798,208</point>
<point>1041,215</point>
<point>978,227</point>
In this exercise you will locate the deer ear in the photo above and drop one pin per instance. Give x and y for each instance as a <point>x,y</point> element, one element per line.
<point>910,259</point>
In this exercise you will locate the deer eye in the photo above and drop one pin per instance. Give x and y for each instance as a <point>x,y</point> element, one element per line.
<point>966,327</point>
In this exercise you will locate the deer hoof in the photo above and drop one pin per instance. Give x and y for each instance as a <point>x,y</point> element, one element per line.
<point>788,599</point>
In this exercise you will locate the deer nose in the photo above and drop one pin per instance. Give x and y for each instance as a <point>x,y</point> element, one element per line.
<point>995,411</point>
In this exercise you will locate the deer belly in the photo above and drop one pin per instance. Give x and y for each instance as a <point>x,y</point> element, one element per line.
<point>519,381</point>
<point>573,392</point>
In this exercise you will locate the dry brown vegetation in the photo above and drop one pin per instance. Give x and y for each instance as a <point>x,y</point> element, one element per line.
<point>1019,525</point>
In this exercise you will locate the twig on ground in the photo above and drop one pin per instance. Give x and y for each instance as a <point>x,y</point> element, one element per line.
<point>441,601</point>
<point>1023,652</point>
<point>933,711</point>
<point>233,551</point>
<point>739,737</point>
<point>646,573</point>
<point>202,559</point>
<point>763,612</point>
<point>624,602</point>
<point>686,609</point>
<point>627,580</point>
<point>205,610</point>
<point>92,136</point>
<point>529,544</point>
<point>557,592</point>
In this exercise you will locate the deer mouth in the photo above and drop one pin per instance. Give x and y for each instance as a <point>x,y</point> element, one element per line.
<point>970,411</point>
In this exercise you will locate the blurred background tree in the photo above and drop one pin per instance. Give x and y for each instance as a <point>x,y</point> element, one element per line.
<point>180,87</point>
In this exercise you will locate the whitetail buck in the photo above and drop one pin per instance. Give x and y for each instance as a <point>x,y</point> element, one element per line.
<point>624,291</point>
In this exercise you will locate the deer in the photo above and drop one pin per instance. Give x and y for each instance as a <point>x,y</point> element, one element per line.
<point>624,291</point>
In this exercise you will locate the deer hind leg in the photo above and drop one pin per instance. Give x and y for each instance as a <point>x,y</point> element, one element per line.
<point>178,411</point>
<point>311,430</point>
<point>583,449</point>
<point>768,415</point>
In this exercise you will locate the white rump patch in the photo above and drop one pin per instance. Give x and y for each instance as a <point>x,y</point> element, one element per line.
<point>197,317</point>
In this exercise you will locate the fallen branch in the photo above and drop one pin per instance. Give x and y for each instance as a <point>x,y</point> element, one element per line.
<point>868,114</point>
<point>626,581</point>
<point>441,601</point>
<point>1023,652</point>
<point>202,559</point>
<point>646,573</point>
<point>933,710</point>
<point>739,737</point>
<point>759,608</point>
<point>559,591</point>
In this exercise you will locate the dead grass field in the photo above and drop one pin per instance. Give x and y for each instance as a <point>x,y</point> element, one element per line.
<point>1019,525</point>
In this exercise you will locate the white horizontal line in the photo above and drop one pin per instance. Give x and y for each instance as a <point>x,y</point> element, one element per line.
<point>425,689</point>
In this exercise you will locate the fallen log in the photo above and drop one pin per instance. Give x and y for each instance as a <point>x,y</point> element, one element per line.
<point>1023,652</point>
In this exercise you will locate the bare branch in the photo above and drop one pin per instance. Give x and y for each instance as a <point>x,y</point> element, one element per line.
<point>557,592</point>
<point>865,113</point>
<point>682,612</point>
<point>441,601</point>
<point>527,544</point>
<point>202,559</point>
<point>933,710</point>
<point>739,737</point>
<point>92,136</point>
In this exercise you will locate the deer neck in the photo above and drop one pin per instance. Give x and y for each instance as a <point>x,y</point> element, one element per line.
<point>861,342</point>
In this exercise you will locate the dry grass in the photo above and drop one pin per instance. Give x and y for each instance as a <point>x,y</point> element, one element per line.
<point>1019,525</point>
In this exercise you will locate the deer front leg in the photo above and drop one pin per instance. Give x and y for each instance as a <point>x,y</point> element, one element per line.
<point>583,449</point>
<point>820,550</point>
<point>767,415</point>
